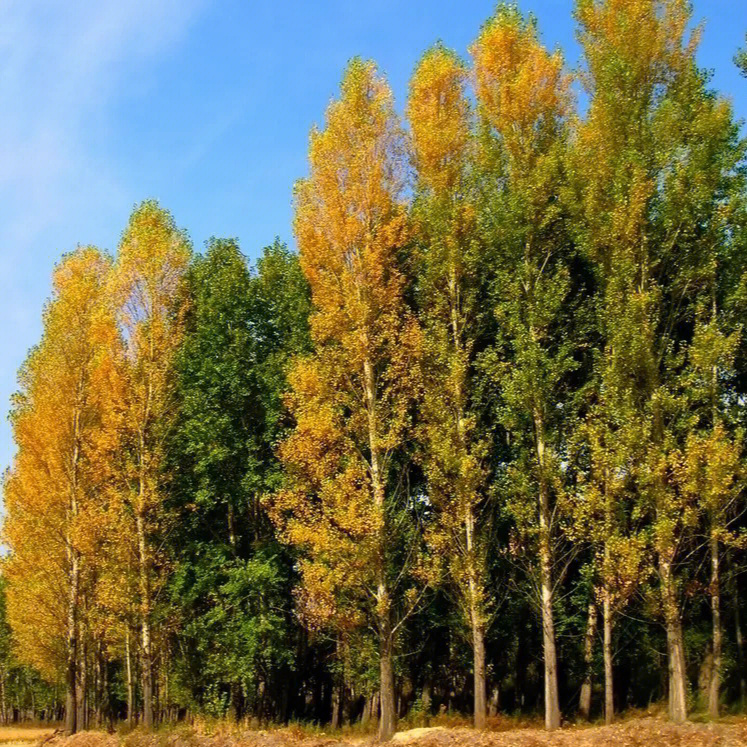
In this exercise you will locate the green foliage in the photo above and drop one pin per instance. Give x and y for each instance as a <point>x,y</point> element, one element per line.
<point>231,585</point>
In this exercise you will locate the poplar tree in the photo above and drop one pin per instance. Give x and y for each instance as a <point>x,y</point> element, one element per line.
<point>352,398</point>
<point>710,468</point>
<point>523,98</point>
<point>148,286</point>
<point>449,289</point>
<point>231,580</point>
<point>53,491</point>
<point>646,202</point>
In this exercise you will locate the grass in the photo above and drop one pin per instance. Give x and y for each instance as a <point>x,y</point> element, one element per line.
<point>22,733</point>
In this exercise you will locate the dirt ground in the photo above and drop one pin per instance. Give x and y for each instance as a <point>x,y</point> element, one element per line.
<point>638,732</point>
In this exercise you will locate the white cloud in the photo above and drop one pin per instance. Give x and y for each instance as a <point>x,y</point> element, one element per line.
<point>62,68</point>
<point>62,64</point>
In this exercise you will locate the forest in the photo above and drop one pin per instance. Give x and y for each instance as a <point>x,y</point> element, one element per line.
<point>476,447</point>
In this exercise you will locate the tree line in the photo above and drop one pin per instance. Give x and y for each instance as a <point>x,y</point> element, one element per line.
<point>478,446</point>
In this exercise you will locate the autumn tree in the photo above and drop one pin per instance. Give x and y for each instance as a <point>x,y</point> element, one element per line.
<point>54,490</point>
<point>523,99</point>
<point>352,398</point>
<point>710,467</point>
<point>647,205</point>
<point>449,288</point>
<point>149,289</point>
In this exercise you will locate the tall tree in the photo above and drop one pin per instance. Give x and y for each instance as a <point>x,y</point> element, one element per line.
<point>449,295</point>
<point>647,206</point>
<point>54,488</point>
<point>523,99</point>
<point>148,286</point>
<point>712,189</point>
<point>240,334</point>
<point>352,398</point>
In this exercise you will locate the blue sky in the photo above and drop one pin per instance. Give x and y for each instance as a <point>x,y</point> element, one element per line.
<point>205,105</point>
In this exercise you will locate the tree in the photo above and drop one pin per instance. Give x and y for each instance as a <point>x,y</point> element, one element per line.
<point>710,460</point>
<point>648,204</point>
<point>54,490</point>
<point>740,60</point>
<point>240,332</point>
<point>449,291</point>
<point>352,398</point>
<point>148,286</point>
<point>523,98</point>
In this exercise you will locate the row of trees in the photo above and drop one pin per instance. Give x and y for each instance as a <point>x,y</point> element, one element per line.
<point>496,397</point>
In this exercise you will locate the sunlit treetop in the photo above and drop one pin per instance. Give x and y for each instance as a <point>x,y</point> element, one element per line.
<point>634,44</point>
<point>521,87</point>
<point>349,213</point>
<point>439,116</point>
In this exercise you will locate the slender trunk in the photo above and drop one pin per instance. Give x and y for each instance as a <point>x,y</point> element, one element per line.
<point>552,701</point>
<point>388,720</point>
<point>81,695</point>
<point>609,682</point>
<point>475,600</point>
<point>3,701</point>
<point>478,639</point>
<point>478,630</point>
<point>739,641</point>
<point>98,717</point>
<point>337,706</point>
<point>367,708</point>
<point>495,701</point>
<point>130,682</point>
<point>715,684</point>
<point>146,671</point>
<point>675,646</point>
<point>426,700</point>
<point>71,700</point>
<point>584,704</point>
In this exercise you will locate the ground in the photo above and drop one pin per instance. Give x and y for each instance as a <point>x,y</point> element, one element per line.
<point>644,731</point>
<point>23,736</point>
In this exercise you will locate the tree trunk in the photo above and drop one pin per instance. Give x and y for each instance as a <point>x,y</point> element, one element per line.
<point>99,688</point>
<point>71,702</point>
<point>478,629</point>
<point>82,691</point>
<point>426,700</point>
<point>71,675</point>
<point>130,682</point>
<point>337,706</point>
<point>584,703</point>
<point>478,637</point>
<point>715,684</point>
<point>146,669</point>
<point>739,641</point>
<point>675,645</point>
<point>609,681</point>
<point>3,700</point>
<point>552,701</point>
<point>388,718</point>
<point>367,708</point>
<point>475,601</point>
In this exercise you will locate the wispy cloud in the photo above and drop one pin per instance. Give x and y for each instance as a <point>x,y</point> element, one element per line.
<point>62,63</point>
<point>62,68</point>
